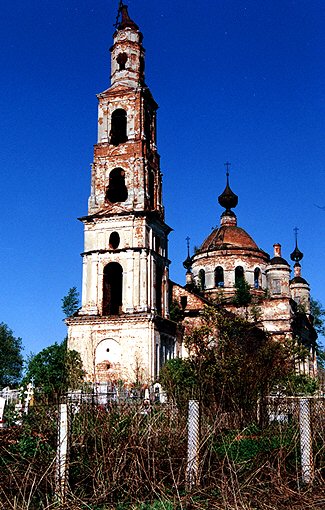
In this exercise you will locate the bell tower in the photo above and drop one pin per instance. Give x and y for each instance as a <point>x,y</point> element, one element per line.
<point>123,325</point>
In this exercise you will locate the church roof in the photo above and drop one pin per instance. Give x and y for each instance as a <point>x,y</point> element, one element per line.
<point>227,237</point>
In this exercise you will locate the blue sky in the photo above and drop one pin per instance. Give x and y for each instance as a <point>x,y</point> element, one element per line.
<point>235,80</point>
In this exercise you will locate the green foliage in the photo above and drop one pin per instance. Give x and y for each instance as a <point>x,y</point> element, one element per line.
<point>11,360</point>
<point>243,446</point>
<point>243,294</point>
<point>232,365</point>
<point>179,379</point>
<point>175,312</point>
<point>55,369</point>
<point>70,302</point>
<point>300,384</point>
<point>318,313</point>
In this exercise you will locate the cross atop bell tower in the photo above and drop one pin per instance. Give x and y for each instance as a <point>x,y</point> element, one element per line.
<point>127,64</point>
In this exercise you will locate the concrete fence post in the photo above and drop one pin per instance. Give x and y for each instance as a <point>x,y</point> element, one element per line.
<point>306,448</point>
<point>62,459</point>
<point>193,445</point>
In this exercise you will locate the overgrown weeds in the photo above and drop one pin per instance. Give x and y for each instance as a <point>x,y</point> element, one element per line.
<point>122,458</point>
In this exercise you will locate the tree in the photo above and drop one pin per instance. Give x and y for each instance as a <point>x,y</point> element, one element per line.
<point>243,293</point>
<point>318,313</point>
<point>11,359</point>
<point>70,302</point>
<point>55,370</point>
<point>232,365</point>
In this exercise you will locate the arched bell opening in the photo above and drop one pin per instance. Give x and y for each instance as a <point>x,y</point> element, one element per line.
<point>118,126</point>
<point>116,190</point>
<point>112,289</point>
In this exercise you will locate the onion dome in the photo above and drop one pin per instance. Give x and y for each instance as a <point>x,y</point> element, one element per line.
<point>277,259</point>
<point>297,275</point>
<point>126,21</point>
<point>228,199</point>
<point>296,255</point>
<point>187,264</point>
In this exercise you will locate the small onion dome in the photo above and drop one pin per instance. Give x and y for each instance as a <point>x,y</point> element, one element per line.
<point>297,275</point>
<point>126,21</point>
<point>296,255</point>
<point>228,199</point>
<point>187,263</point>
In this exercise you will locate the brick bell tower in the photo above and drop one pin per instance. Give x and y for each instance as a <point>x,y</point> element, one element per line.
<point>122,330</point>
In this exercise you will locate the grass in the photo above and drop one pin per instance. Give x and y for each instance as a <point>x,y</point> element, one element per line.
<point>121,459</point>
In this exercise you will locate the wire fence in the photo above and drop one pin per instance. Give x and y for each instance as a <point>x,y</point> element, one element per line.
<point>109,446</point>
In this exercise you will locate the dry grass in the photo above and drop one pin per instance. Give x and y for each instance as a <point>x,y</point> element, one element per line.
<point>120,458</point>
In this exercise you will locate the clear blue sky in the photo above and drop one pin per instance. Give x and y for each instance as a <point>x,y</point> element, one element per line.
<point>235,80</point>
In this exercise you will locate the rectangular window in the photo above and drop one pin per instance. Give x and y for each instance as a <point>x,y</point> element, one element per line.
<point>276,287</point>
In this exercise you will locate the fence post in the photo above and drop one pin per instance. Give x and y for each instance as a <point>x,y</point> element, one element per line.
<point>192,470</point>
<point>62,458</point>
<point>306,448</point>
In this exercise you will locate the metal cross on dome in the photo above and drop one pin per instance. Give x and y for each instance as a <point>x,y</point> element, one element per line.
<point>296,230</point>
<point>187,239</point>
<point>227,165</point>
<point>120,7</point>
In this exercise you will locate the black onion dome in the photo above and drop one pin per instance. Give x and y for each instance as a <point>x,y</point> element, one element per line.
<point>296,255</point>
<point>187,263</point>
<point>126,21</point>
<point>228,199</point>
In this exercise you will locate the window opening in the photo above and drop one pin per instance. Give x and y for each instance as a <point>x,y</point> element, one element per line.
<point>117,191</point>
<point>202,279</point>
<point>239,274</point>
<point>118,126</point>
<point>112,289</point>
<point>121,60</point>
<point>257,278</point>
<point>114,240</point>
<point>218,277</point>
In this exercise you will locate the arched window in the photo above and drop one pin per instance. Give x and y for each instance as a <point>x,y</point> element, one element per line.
<point>202,279</point>
<point>117,191</point>
<point>239,274</point>
<point>118,126</point>
<point>257,278</point>
<point>121,60</point>
<point>114,240</point>
<point>218,277</point>
<point>112,289</point>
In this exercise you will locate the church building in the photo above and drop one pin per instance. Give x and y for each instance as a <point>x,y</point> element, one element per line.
<point>123,330</point>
